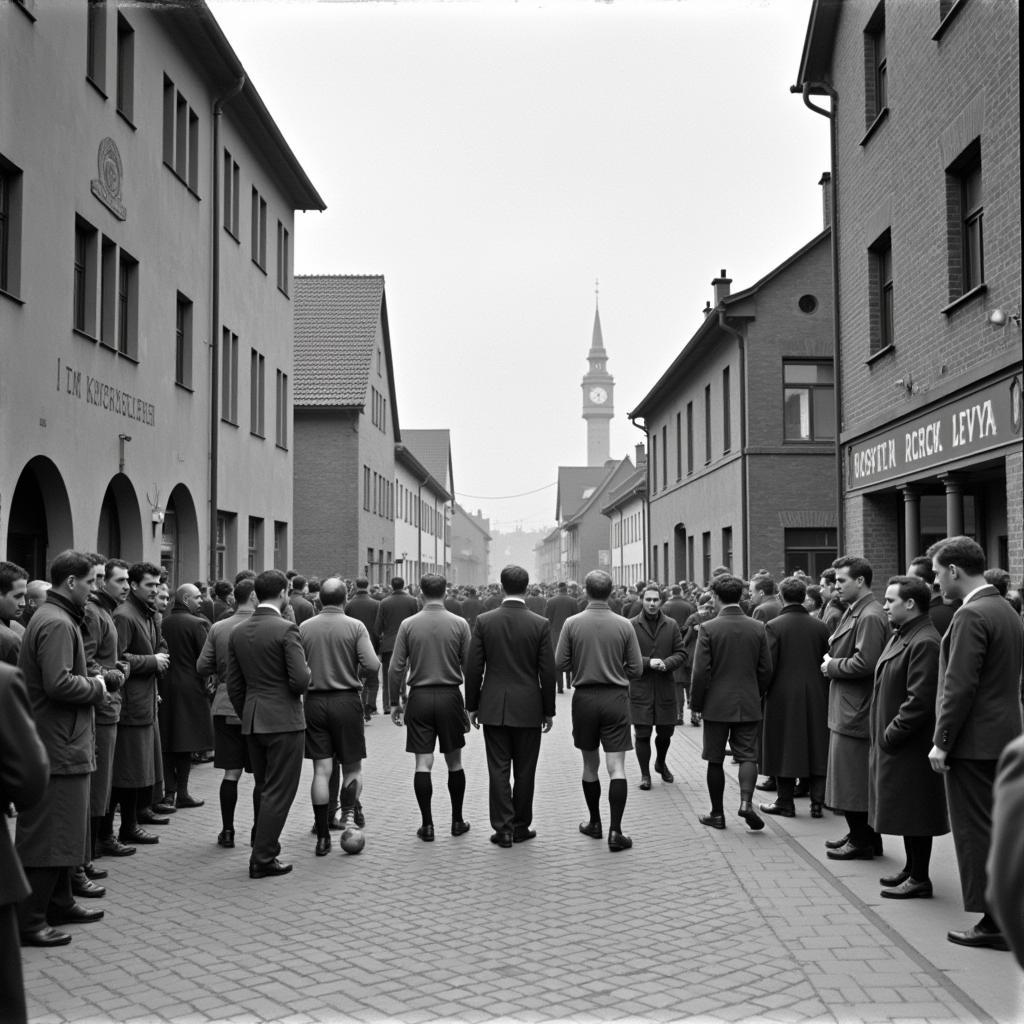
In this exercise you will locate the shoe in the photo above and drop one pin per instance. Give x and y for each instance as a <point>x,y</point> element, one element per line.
<point>188,801</point>
<point>974,936</point>
<point>817,811</point>
<point>275,867</point>
<point>662,769</point>
<point>111,846</point>
<point>139,837</point>
<point>166,806</point>
<point>837,844</point>
<point>226,839</point>
<point>645,782</point>
<point>460,827</point>
<point>84,887</point>
<point>712,820</point>
<point>426,833</point>
<point>44,937</point>
<point>323,845</point>
<point>592,829</point>
<point>768,786</point>
<point>147,817</point>
<point>358,818</point>
<point>335,825</point>
<point>618,841</point>
<point>851,852</point>
<point>75,914</point>
<point>892,881</point>
<point>523,835</point>
<point>502,839</point>
<point>909,890</point>
<point>782,810</point>
<point>93,872</point>
<point>754,820</point>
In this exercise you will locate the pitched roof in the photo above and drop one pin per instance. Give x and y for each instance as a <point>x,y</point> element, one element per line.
<point>433,449</point>
<point>336,318</point>
<point>634,485</point>
<point>576,484</point>
<point>613,474</point>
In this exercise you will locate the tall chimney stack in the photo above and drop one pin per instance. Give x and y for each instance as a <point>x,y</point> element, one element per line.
<point>721,286</point>
<point>826,199</point>
<point>641,455</point>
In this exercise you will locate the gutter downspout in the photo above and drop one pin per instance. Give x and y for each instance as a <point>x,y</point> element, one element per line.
<point>744,489</point>
<point>834,227</point>
<point>218,108</point>
<point>647,500</point>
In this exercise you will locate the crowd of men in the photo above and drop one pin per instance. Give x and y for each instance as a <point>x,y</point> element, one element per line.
<point>894,713</point>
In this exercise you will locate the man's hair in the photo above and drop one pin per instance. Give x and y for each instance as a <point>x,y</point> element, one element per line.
<point>10,573</point>
<point>298,582</point>
<point>69,563</point>
<point>243,591</point>
<point>856,566</point>
<point>766,585</point>
<point>222,590</point>
<point>829,576</point>
<point>433,585</point>
<point>514,580</point>
<point>999,578</point>
<point>269,584</point>
<point>728,589</point>
<point>793,590</point>
<point>95,557</point>
<point>966,554</point>
<point>912,588</point>
<point>815,593</point>
<point>676,590</point>
<point>598,585</point>
<point>563,587</point>
<point>333,591</point>
<point>651,587</point>
<point>397,583</point>
<point>362,583</point>
<point>244,574</point>
<point>111,564</point>
<point>924,566</point>
<point>721,570</point>
<point>139,569</point>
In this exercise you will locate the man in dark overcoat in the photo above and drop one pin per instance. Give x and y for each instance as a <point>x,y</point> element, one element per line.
<point>560,606</point>
<point>364,608</point>
<point>905,797</point>
<point>795,732</point>
<point>392,611</point>
<point>1005,891</point>
<point>678,609</point>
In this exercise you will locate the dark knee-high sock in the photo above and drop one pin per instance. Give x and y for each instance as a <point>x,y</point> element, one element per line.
<point>320,821</point>
<point>661,745</point>
<point>333,787</point>
<point>716,787</point>
<point>457,792</point>
<point>348,802</point>
<point>643,754</point>
<point>861,833</point>
<point>920,857</point>
<point>182,771</point>
<point>748,779</point>
<point>228,800</point>
<point>592,794</point>
<point>423,787</point>
<point>616,804</point>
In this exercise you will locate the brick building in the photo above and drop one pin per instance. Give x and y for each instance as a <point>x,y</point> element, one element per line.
<point>740,431</point>
<point>924,107</point>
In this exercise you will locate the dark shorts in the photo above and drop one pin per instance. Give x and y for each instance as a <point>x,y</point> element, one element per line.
<point>600,716</point>
<point>334,726</point>
<point>230,751</point>
<point>742,737</point>
<point>435,714</point>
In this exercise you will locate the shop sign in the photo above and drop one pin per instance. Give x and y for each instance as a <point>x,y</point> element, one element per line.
<point>106,396</point>
<point>973,424</point>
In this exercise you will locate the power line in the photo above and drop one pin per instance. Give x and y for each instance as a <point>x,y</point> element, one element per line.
<point>503,497</point>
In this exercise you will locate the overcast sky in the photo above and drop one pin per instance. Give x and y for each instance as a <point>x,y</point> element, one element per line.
<point>493,159</point>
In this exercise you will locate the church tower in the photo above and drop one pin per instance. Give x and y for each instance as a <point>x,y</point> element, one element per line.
<point>598,388</point>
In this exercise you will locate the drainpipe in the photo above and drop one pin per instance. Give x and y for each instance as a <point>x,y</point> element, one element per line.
<point>218,108</point>
<point>647,500</point>
<point>834,225</point>
<point>741,340</point>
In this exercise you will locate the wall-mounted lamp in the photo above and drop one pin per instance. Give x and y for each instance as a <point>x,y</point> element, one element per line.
<point>122,440</point>
<point>157,512</point>
<point>905,384</point>
<point>1001,317</point>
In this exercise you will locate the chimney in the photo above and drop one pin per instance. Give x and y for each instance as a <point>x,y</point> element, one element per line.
<point>641,455</point>
<point>826,199</point>
<point>721,286</point>
<point>707,308</point>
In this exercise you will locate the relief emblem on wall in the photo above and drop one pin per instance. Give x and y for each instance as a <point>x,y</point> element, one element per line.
<point>107,187</point>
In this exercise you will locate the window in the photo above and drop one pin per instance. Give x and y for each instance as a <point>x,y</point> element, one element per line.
<point>366,488</point>
<point>232,178</point>
<point>705,544</point>
<point>679,446</point>
<point>259,230</point>
<point>654,561</point>
<point>812,550</point>
<point>257,394</point>
<point>726,412</point>
<point>128,306</point>
<point>281,411</point>
<point>86,258</point>
<point>689,438</point>
<point>125,67</point>
<point>254,560</point>
<point>654,463</point>
<point>727,546</point>
<point>378,410</point>
<point>229,376</point>
<point>876,90</point>
<point>707,424</point>
<point>280,545</point>
<point>965,210</point>
<point>664,456</point>
<point>809,400</point>
<point>96,44</point>
<point>880,305</point>
<point>690,558</point>
<point>183,342</point>
<point>10,228</point>
<point>180,136</point>
<point>283,261</point>
<point>108,291</point>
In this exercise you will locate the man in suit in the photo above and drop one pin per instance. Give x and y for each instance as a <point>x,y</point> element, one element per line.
<point>536,601</point>
<point>392,611</point>
<point>940,611</point>
<point>267,677</point>
<point>1005,891</point>
<point>678,609</point>
<point>558,608</point>
<point>764,599</point>
<point>363,607</point>
<point>731,671</point>
<point>510,690</point>
<point>471,607</point>
<point>298,601</point>
<point>978,712</point>
<point>853,652</point>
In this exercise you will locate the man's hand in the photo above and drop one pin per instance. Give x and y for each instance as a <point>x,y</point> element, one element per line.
<point>546,722</point>
<point>657,664</point>
<point>162,661</point>
<point>824,664</point>
<point>396,713</point>
<point>937,759</point>
<point>474,719</point>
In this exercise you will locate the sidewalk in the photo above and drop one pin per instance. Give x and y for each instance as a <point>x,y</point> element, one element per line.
<point>691,924</point>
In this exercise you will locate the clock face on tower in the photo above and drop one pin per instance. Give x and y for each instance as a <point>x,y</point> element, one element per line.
<point>598,396</point>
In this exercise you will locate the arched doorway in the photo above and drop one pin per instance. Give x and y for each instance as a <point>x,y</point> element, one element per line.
<point>120,528</point>
<point>179,541</point>
<point>39,525</point>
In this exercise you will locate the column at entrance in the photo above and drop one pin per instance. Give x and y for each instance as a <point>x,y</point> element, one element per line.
<point>954,505</point>
<point>911,522</point>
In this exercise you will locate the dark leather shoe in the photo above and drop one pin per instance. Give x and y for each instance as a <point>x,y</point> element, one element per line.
<point>662,769</point>
<point>909,890</point>
<point>782,810</point>
<point>426,833</point>
<point>166,806</point>
<point>712,820</point>
<point>851,852</point>
<point>754,820</point>
<point>44,937</point>
<point>974,936</point>
<point>523,835</point>
<point>147,817</point>
<point>502,839</point>
<point>645,782</point>
<point>93,872</point>
<point>188,801</point>
<point>592,829</point>
<point>335,824</point>
<point>618,841</point>
<point>275,867</point>
<point>226,839</point>
<point>817,810</point>
<point>837,844</point>
<point>460,827</point>
<point>891,881</point>
<point>139,837</point>
<point>75,914</point>
<point>113,847</point>
<point>85,888</point>
<point>358,818</point>
<point>768,786</point>
<point>323,846</point>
